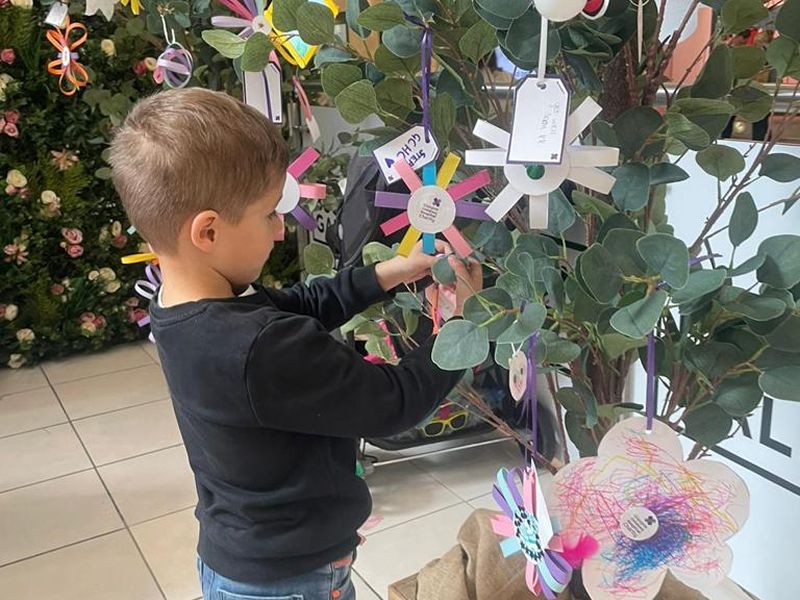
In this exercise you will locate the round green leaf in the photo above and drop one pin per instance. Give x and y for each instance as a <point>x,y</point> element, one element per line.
<point>561,214</point>
<point>586,205</point>
<point>635,126</point>
<point>781,267</point>
<point>665,172</point>
<point>699,284</point>
<point>748,266</point>
<point>722,162</point>
<point>390,64</point>
<point>381,16</point>
<point>780,167</point>
<point>375,252</point>
<point>357,101</point>
<point>667,256</point>
<point>787,336</point>
<point>738,396</point>
<point>782,383</point>
<point>526,324</point>
<point>751,102</point>
<point>353,9</point>
<point>506,9</point>
<point>738,15</point>
<point>337,76</point>
<point>554,284</point>
<point>522,40</point>
<point>556,350</point>
<point>632,186</point>
<point>460,345</point>
<point>315,23</point>
<point>600,273</point>
<point>783,53</point>
<point>402,41</point>
<point>284,14</point>
<point>743,220</point>
<point>684,130</point>
<point>571,400</point>
<point>716,79</point>
<point>756,308</point>
<point>638,319</point>
<point>500,301</point>
<point>747,61</point>
<point>478,41</point>
<point>395,97</point>
<point>621,243</point>
<point>697,107</point>
<point>494,239</point>
<point>228,44</point>
<point>318,259</point>
<point>788,20</point>
<point>708,424</point>
<point>442,272</point>
<point>256,53</point>
<point>443,116</point>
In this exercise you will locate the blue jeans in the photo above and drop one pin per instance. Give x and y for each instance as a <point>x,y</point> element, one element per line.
<point>331,582</point>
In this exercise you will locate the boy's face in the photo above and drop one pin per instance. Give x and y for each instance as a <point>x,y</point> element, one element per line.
<point>245,246</point>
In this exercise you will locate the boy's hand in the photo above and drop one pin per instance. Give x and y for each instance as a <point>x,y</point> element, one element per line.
<point>469,281</point>
<point>416,266</point>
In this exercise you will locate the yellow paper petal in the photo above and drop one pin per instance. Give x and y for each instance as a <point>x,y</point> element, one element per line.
<point>409,241</point>
<point>447,170</point>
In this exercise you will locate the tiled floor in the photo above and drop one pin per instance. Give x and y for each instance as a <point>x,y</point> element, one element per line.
<point>96,496</point>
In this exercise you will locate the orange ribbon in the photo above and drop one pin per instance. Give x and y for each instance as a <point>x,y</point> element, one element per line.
<point>66,65</point>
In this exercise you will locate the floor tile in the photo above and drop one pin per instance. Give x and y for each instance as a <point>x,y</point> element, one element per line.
<point>471,472</point>
<point>152,485</point>
<point>122,357</point>
<point>396,553</point>
<point>129,432</point>
<point>363,591</point>
<point>19,380</point>
<point>52,514</point>
<point>151,350</point>
<point>169,545</point>
<point>105,568</point>
<point>39,455</point>
<point>28,410</point>
<point>402,492</point>
<point>112,391</point>
<point>486,501</point>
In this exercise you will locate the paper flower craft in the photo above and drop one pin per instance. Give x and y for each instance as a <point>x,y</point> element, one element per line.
<point>174,67</point>
<point>293,190</point>
<point>433,207</point>
<point>649,511</point>
<point>290,44</point>
<point>579,165</point>
<point>526,527</point>
<point>262,90</point>
<point>71,74</point>
<point>148,288</point>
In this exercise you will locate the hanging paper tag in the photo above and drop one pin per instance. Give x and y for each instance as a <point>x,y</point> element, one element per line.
<point>518,375</point>
<point>411,147</point>
<point>273,75</point>
<point>57,15</point>
<point>540,121</point>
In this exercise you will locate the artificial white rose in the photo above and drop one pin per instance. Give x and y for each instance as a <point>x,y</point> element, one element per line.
<point>15,361</point>
<point>25,335</point>
<point>112,286</point>
<point>107,273</point>
<point>12,310</point>
<point>23,3</point>
<point>108,47</point>
<point>116,228</point>
<point>17,179</point>
<point>49,197</point>
<point>88,328</point>
<point>93,275</point>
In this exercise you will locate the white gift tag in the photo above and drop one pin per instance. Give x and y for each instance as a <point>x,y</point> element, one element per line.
<point>540,121</point>
<point>57,15</point>
<point>273,75</point>
<point>313,128</point>
<point>411,147</point>
<point>518,375</point>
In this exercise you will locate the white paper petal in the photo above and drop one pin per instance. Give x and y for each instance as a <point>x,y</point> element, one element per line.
<point>489,157</point>
<point>593,156</point>
<point>492,134</point>
<point>503,202</point>
<point>581,118</point>
<point>601,585</point>
<point>592,178</point>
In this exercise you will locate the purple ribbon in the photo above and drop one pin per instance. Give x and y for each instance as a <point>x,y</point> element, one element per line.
<point>531,395</point>
<point>425,54</point>
<point>650,401</point>
<point>177,65</point>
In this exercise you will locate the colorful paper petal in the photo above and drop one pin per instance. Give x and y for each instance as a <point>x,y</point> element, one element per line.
<point>301,164</point>
<point>395,224</point>
<point>408,175</point>
<point>462,189</point>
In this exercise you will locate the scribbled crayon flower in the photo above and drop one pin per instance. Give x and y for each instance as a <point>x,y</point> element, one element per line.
<point>650,512</point>
<point>15,361</point>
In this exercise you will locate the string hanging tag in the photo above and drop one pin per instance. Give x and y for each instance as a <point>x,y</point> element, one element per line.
<point>426,53</point>
<point>305,106</point>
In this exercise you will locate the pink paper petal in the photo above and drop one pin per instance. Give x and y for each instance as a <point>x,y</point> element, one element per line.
<point>408,175</point>
<point>395,224</point>
<point>457,241</point>
<point>301,164</point>
<point>463,188</point>
<point>314,191</point>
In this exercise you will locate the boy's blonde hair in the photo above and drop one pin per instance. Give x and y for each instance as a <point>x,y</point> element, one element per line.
<point>180,152</point>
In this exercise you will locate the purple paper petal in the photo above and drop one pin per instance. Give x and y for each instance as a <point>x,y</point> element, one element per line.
<point>472,210</point>
<point>391,200</point>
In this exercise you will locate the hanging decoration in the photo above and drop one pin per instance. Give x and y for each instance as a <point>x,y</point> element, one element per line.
<point>71,74</point>
<point>132,259</point>
<point>526,527</point>
<point>433,207</point>
<point>650,512</point>
<point>148,289</point>
<point>261,90</point>
<point>105,7</point>
<point>290,44</point>
<point>293,190</point>
<point>175,65</point>
<point>579,164</point>
<point>136,5</point>
<point>305,106</point>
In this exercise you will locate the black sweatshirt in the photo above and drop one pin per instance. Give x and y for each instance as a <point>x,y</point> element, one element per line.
<point>270,405</point>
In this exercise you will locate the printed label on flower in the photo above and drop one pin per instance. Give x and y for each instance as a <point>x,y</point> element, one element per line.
<point>540,121</point>
<point>518,375</point>
<point>431,209</point>
<point>639,523</point>
<point>411,147</point>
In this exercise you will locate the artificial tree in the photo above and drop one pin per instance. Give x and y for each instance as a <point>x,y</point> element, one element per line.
<point>719,348</point>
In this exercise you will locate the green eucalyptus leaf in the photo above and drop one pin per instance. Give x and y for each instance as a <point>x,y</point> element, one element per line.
<point>443,116</point>
<point>284,14</point>
<point>586,205</point>
<point>256,53</point>
<point>517,286</point>
<point>579,435</point>
<point>621,243</point>
<point>443,272</point>
<point>635,126</point>
<point>667,256</point>
<point>318,259</point>
<point>353,9</point>
<point>500,301</point>
<point>702,107</point>
<point>743,220</point>
<point>665,172</point>
<point>554,284</point>
<point>600,273</point>
<point>721,162</point>
<point>687,132</point>
<point>755,307</point>
<point>713,359</point>
<point>460,345</point>
<point>781,267</point>
<point>752,103</point>
<point>616,221</point>
<point>494,239</point>
<point>228,44</point>
<point>507,9</point>
<point>638,319</point>
<point>394,65</point>
<point>557,350</point>
<point>525,325</point>
<point>561,214</point>
<point>395,97</point>
<point>782,383</point>
<point>381,16</point>
<point>522,40</point>
<point>788,20</point>
<point>632,186</point>
<point>357,101</point>
<point>748,266</point>
<point>747,60</point>
<point>787,336</point>
<point>780,167</point>
<point>783,53</point>
<point>494,20</point>
<point>738,15</point>
<point>537,245</point>
<point>708,424</point>
<point>478,41</point>
<point>716,78</point>
<point>738,396</point>
<point>616,344</point>
<point>700,283</point>
<point>336,77</point>
<point>570,399</point>
<point>315,23</point>
<point>408,300</point>
<point>375,252</point>
<point>402,41</point>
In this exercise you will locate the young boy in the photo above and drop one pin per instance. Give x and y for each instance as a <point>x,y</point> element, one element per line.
<point>268,403</point>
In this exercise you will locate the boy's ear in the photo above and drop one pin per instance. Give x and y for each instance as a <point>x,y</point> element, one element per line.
<point>203,230</point>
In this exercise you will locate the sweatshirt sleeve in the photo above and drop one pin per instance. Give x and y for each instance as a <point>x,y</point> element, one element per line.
<point>300,379</point>
<point>332,301</point>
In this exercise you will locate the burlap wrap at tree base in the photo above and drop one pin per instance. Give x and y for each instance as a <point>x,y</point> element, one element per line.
<point>476,570</point>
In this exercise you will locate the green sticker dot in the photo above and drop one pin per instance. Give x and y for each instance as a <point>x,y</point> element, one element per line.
<point>535,171</point>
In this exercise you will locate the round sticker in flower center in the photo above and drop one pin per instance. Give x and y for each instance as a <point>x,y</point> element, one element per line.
<point>291,196</point>
<point>638,523</point>
<point>431,209</point>
<point>518,375</point>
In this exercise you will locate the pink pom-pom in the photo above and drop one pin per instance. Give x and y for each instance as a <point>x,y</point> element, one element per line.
<point>576,550</point>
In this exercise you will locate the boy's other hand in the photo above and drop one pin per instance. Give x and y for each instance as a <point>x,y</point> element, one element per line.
<point>416,266</point>
<point>469,280</point>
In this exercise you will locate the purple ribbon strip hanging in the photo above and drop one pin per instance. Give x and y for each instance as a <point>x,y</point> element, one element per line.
<point>650,399</point>
<point>531,396</point>
<point>426,53</point>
